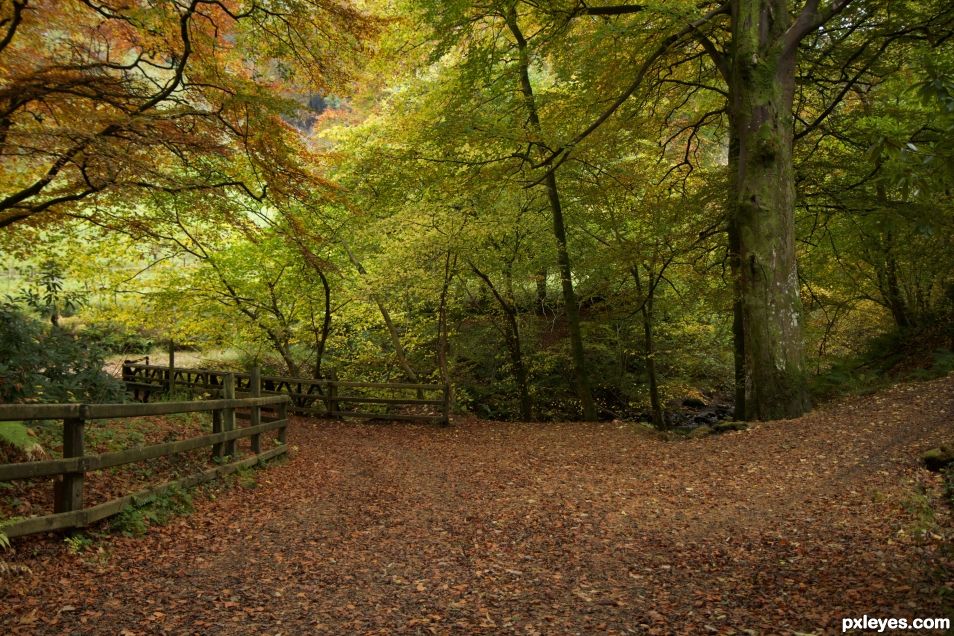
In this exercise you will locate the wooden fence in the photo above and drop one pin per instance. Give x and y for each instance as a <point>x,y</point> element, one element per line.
<point>320,398</point>
<point>69,472</point>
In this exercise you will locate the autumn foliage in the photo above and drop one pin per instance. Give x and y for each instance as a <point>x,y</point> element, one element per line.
<point>103,102</point>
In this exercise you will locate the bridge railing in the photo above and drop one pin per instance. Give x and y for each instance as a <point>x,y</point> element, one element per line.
<point>319,398</point>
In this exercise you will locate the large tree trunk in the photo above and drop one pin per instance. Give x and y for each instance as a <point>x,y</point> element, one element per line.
<point>571,305</point>
<point>738,334</point>
<point>762,79</point>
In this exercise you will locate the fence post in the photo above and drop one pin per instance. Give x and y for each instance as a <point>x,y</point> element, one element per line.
<point>217,449</point>
<point>283,415</point>
<point>68,493</point>
<point>129,376</point>
<point>228,413</point>
<point>332,394</point>
<point>255,388</point>
<point>445,407</point>
<point>172,367</point>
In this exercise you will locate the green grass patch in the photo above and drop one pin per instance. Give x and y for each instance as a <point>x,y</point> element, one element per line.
<point>19,436</point>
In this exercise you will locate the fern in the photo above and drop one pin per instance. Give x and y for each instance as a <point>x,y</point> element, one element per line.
<point>10,569</point>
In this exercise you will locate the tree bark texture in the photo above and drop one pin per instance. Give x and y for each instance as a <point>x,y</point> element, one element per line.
<point>762,80</point>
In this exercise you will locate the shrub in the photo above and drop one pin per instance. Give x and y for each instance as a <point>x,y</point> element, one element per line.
<point>46,364</point>
<point>114,338</point>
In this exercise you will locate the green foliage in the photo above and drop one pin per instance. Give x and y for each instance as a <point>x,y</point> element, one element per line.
<point>20,438</point>
<point>922,517</point>
<point>130,522</point>
<point>245,478</point>
<point>430,210</point>
<point>156,509</point>
<point>78,543</point>
<point>7,569</point>
<point>45,293</point>
<point>949,484</point>
<point>118,435</point>
<point>49,364</point>
<point>115,338</point>
<point>911,354</point>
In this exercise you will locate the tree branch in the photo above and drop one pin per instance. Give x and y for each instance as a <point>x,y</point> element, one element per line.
<point>810,18</point>
<point>560,155</point>
<point>618,9</point>
<point>14,22</point>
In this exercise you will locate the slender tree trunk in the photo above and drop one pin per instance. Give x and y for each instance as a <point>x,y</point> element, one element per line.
<point>279,340</point>
<point>542,291</point>
<point>325,323</point>
<point>442,335</point>
<point>899,308</point>
<point>297,236</point>
<point>281,346</point>
<point>514,347</point>
<point>399,352</point>
<point>659,420</point>
<point>887,272</point>
<point>571,305</point>
<point>762,81</point>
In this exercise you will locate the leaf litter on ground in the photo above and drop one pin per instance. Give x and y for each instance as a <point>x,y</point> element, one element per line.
<point>566,528</point>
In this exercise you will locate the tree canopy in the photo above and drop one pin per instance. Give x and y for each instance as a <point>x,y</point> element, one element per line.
<point>564,209</point>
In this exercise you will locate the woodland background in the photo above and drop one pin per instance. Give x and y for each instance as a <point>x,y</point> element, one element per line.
<point>366,189</point>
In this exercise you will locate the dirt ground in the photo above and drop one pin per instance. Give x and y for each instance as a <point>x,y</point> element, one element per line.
<point>498,528</point>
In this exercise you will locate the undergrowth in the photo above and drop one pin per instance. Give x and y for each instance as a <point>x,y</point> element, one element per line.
<point>897,356</point>
<point>9,569</point>
<point>155,509</point>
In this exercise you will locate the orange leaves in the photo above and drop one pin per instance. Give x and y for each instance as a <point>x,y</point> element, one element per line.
<point>135,95</point>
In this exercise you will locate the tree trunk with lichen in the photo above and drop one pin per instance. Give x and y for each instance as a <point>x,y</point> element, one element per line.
<point>738,335</point>
<point>762,80</point>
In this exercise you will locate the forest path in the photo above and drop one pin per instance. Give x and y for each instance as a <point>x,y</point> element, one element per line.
<point>493,528</point>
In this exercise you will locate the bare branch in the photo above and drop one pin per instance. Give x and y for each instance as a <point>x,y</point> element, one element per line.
<point>14,22</point>
<point>811,18</point>
<point>560,155</point>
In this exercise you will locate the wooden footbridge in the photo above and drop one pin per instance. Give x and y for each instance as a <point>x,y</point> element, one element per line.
<point>317,398</point>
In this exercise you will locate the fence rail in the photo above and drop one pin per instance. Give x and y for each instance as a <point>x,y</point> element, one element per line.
<point>70,471</point>
<point>321,398</point>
